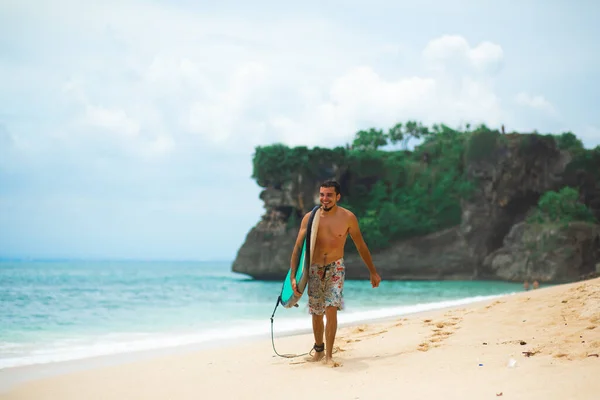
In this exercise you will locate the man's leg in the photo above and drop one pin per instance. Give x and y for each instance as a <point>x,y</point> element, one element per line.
<point>330,330</point>
<point>318,328</point>
<point>334,301</point>
<point>316,307</point>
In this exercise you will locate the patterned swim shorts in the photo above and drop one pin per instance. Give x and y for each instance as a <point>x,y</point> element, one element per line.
<point>326,286</point>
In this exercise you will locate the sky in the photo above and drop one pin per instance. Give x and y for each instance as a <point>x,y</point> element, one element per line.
<point>127,127</point>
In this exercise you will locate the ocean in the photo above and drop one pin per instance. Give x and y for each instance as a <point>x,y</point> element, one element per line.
<point>53,311</point>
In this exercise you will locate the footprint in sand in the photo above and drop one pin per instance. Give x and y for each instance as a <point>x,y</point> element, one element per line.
<point>365,335</point>
<point>298,362</point>
<point>359,329</point>
<point>332,363</point>
<point>355,331</point>
<point>376,333</point>
<point>444,324</point>
<point>494,304</point>
<point>440,332</point>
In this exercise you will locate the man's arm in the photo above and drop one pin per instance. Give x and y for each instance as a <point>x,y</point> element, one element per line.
<point>298,246</point>
<point>363,250</point>
<point>361,246</point>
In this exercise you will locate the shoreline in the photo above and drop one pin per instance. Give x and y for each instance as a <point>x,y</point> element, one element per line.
<point>283,326</point>
<point>12,376</point>
<point>473,343</point>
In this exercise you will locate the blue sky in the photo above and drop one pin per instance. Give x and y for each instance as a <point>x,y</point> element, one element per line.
<point>127,127</point>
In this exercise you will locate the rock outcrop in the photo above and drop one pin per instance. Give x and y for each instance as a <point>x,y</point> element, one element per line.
<point>442,255</point>
<point>546,253</point>
<point>510,182</point>
<point>490,243</point>
<point>266,252</point>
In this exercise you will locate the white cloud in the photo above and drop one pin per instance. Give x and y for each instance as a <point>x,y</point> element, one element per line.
<point>536,102</point>
<point>221,117</point>
<point>147,98</point>
<point>362,98</point>
<point>112,120</point>
<point>453,53</point>
<point>240,99</point>
<point>170,78</point>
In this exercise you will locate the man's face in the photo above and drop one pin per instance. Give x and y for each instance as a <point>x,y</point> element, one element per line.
<point>328,198</point>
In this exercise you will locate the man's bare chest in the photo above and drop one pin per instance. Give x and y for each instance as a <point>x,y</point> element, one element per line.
<point>332,228</point>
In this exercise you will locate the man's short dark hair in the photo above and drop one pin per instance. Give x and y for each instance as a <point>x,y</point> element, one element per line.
<point>334,184</point>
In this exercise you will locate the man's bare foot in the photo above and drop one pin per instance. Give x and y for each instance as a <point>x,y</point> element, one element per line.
<point>318,356</point>
<point>319,353</point>
<point>330,362</point>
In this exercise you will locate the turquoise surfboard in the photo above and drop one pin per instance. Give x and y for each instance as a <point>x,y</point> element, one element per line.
<point>288,298</point>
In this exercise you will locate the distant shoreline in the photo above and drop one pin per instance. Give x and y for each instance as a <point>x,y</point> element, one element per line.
<point>10,376</point>
<point>109,259</point>
<point>480,350</point>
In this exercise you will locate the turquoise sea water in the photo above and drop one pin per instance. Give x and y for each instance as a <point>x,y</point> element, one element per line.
<point>65,310</point>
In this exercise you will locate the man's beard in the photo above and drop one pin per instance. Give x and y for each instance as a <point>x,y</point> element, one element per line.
<point>327,209</point>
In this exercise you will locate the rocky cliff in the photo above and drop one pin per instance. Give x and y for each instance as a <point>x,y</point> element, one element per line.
<point>551,253</point>
<point>490,242</point>
<point>510,181</point>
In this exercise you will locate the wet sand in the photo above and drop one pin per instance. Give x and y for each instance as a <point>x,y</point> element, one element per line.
<point>539,344</point>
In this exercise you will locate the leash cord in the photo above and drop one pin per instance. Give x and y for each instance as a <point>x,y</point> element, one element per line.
<point>273,340</point>
<point>335,349</point>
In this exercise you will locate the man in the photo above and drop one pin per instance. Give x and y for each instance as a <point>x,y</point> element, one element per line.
<point>327,270</point>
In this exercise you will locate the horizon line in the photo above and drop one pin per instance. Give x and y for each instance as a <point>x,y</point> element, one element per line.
<point>97,259</point>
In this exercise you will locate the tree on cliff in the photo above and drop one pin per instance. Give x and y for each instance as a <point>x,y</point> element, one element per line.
<point>404,133</point>
<point>561,208</point>
<point>394,193</point>
<point>369,140</point>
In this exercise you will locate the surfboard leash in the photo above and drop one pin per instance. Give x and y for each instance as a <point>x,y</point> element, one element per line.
<point>273,339</point>
<point>335,348</point>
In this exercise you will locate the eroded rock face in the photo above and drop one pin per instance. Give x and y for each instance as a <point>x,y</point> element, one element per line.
<point>440,255</point>
<point>266,254</point>
<point>485,246</point>
<point>510,183</point>
<point>546,253</point>
<point>587,186</point>
<point>267,249</point>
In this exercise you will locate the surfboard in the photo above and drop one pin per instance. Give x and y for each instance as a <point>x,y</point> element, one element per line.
<point>287,297</point>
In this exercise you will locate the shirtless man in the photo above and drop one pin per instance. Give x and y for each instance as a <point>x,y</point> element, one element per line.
<point>327,271</point>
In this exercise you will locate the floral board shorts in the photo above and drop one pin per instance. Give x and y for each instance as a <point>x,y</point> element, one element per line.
<point>326,286</point>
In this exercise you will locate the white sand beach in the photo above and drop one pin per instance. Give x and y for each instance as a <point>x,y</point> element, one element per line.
<point>539,344</point>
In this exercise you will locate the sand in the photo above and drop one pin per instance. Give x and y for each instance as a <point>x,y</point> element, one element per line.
<point>539,344</point>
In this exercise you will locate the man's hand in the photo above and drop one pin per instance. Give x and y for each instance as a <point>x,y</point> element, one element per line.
<point>295,287</point>
<point>375,279</point>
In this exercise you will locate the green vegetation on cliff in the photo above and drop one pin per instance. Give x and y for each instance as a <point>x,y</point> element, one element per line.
<point>561,208</point>
<point>549,221</point>
<point>397,193</point>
